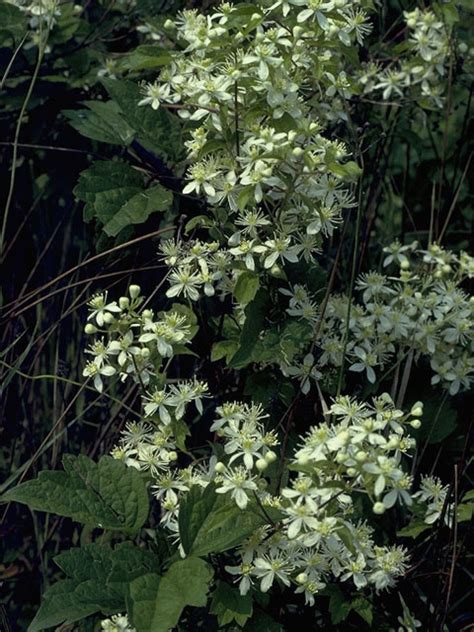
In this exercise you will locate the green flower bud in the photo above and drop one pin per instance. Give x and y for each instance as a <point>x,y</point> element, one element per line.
<point>134,291</point>
<point>302,578</point>
<point>219,467</point>
<point>108,318</point>
<point>415,423</point>
<point>417,409</point>
<point>90,329</point>
<point>261,465</point>
<point>124,302</point>
<point>361,456</point>
<point>379,508</point>
<point>270,456</point>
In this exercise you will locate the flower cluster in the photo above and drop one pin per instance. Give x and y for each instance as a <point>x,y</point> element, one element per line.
<point>421,312</point>
<point>318,532</point>
<point>132,342</point>
<point>420,71</point>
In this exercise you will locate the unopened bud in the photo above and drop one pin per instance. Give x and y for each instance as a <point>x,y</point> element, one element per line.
<point>219,467</point>
<point>270,456</point>
<point>261,465</point>
<point>90,329</point>
<point>108,318</point>
<point>124,302</point>
<point>378,508</point>
<point>415,423</point>
<point>302,578</point>
<point>134,291</point>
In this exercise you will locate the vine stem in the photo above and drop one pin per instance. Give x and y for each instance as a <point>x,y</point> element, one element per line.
<point>41,50</point>
<point>351,288</point>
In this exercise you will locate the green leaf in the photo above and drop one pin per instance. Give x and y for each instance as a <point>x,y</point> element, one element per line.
<point>413,530</point>
<point>145,57</point>
<point>364,609</point>
<point>102,121</point>
<point>98,579</point>
<point>105,186</point>
<point>157,602</point>
<point>339,607</point>
<point>12,22</point>
<point>138,208</point>
<point>229,605</point>
<point>211,523</point>
<point>254,323</point>
<point>246,287</point>
<point>159,130</point>
<point>106,494</point>
<point>223,349</point>
<point>113,194</point>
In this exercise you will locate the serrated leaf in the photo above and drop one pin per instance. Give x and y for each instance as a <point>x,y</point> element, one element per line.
<point>157,602</point>
<point>138,208</point>
<point>211,523</point>
<point>98,579</point>
<point>102,121</point>
<point>229,605</point>
<point>106,494</point>
<point>105,186</point>
<point>246,287</point>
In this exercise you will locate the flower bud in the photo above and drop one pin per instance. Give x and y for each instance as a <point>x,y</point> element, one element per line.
<point>405,265</point>
<point>145,353</point>
<point>173,455</point>
<point>124,302</point>
<point>270,456</point>
<point>415,423</point>
<point>147,313</point>
<point>341,457</point>
<point>351,471</point>
<point>302,578</point>
<point>261,465</point>
<point>297,152</point>
<point>90,329</point>
<point>378,508</point>
<point>108,318</point>
<point>361,456</point>
<point>134,291</point>
<point>219,467</point>
<point>447,268</point>
<point>417,409</point>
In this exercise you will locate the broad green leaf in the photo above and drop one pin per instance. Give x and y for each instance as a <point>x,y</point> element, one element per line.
<point>211,523</point>
<point>364,609</point>
<point>60,605</point>
<point>145,57</point>
<point>246,287</point>
<point>229,605</point>
<point>12,23</point>
<point>105,186</point>
<point>106,494</point>
<point>157,602</point>
<point>138,208</point>
<point>102,121</point>
<point>114,195</point>
<point>254,323</point>
<point>98,579</point>
<point>159,130</point>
